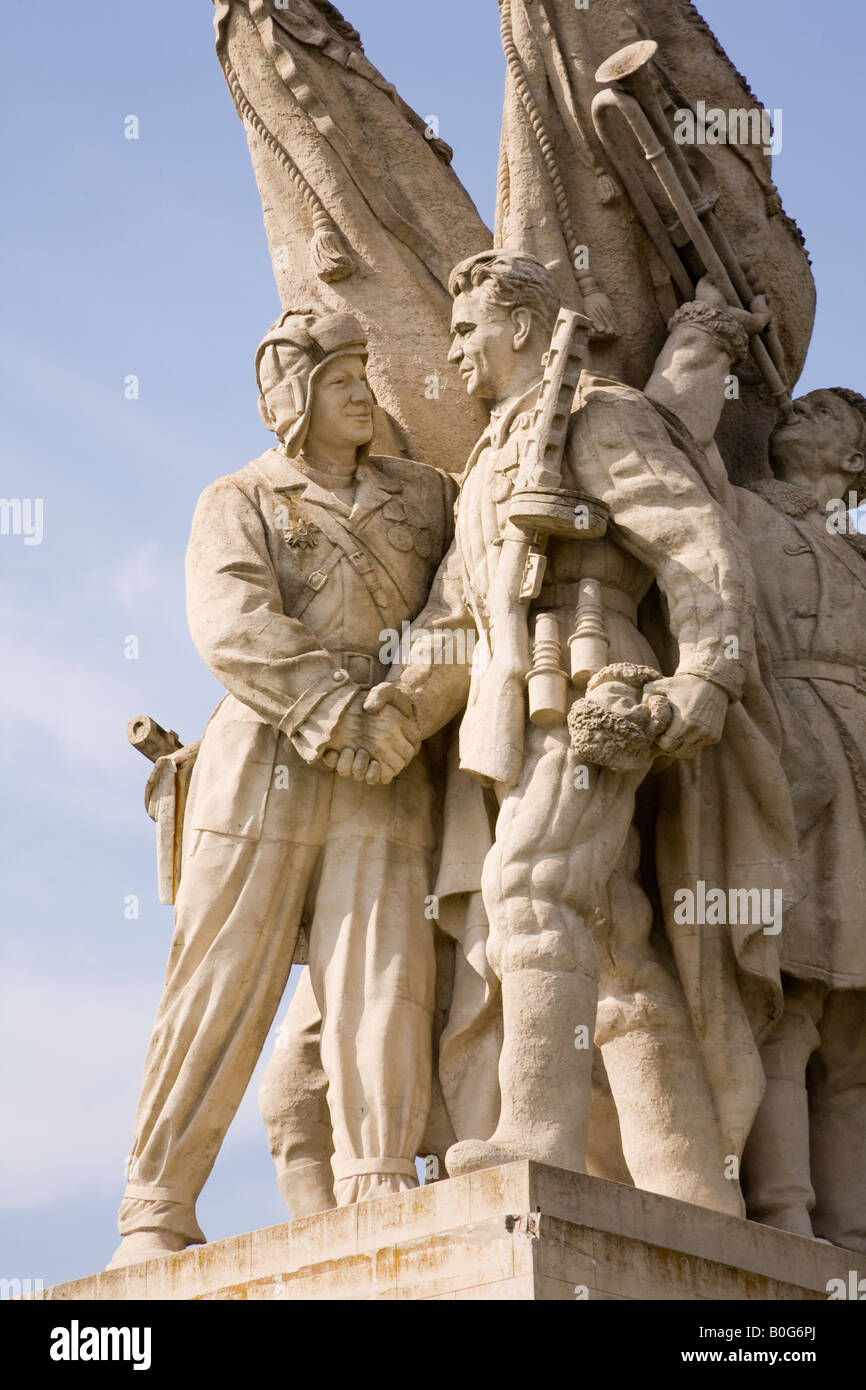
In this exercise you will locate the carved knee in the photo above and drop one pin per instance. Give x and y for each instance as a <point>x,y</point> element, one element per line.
<point>531,933</point>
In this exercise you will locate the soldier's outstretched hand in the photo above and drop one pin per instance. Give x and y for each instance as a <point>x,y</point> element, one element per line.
<point>393,740</point>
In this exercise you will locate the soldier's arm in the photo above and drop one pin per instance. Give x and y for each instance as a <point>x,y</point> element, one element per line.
<point>269,661</point>
<point>436,676</point>
<point>620,452</point>
<point>695,370</point>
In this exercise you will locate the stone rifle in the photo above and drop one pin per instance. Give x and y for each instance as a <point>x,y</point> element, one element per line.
<point>492,731</point>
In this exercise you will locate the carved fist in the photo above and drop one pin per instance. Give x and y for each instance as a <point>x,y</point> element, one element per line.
<point>700,709</point>
<point>754,319</point>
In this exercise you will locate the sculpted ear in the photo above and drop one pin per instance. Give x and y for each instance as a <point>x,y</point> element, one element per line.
<point>855,464</point>
<point>522,321</point>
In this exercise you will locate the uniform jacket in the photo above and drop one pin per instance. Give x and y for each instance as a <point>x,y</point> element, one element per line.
<point>812,596</point>
<point>289,594</point>
<point>664,526</point>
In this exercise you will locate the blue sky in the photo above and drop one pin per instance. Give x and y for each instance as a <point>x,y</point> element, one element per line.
<point>148,257</point>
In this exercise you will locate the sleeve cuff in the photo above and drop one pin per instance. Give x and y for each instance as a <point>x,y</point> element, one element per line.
<point>717,323</point>
<point>311,737</point>
<point>731,680</point>
<point>337,684</point>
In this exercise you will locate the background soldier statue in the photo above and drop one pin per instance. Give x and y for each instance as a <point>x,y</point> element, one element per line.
<point>805,1164</point>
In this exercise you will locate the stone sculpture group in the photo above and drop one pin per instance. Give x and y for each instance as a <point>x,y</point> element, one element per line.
<point>545,754</point>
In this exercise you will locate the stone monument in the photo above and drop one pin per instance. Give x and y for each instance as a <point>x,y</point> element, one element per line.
<point>544,738</point>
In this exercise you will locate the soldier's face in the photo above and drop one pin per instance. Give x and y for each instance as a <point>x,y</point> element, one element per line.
<point>482,346</point>
<point>342,411</point>
<point>822,434</point>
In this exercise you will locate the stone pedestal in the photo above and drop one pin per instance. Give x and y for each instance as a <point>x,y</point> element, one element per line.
<point>523,1231</point>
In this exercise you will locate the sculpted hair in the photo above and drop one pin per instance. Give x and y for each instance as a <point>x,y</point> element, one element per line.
<point>511,280</point>
<point>857,404</point>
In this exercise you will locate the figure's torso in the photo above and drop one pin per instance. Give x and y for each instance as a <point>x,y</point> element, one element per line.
<point>394,534</point>
<point>483,511</point>
<point>810,599</point>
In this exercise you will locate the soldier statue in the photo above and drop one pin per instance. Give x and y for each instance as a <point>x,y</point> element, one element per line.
<point>304,806</point>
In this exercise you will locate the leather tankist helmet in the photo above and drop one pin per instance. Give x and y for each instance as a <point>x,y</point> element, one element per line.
<point>308,342</point>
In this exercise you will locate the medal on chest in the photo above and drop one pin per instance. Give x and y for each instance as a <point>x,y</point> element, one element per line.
<point>299,531</point>
<point>406,530</point>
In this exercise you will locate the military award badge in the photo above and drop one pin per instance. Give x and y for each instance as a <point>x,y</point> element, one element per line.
<point>297,528</point>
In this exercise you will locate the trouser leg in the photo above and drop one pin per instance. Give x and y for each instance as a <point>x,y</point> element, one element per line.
<point>837,1103</point>
<point>372,967</point>
<point>604,1155</point>
<point>236,924</point>
<point>471,1042</point>
<point>293,1099</point>
<point>777,1176</point>
<point>671,1136</point>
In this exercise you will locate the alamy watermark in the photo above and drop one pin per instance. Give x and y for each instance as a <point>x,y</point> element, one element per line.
<point>442,647</point>
<point>715,907</point>
<point>77,1343</point>
<point>846,517</point>
<point>19,1288</point>
<point>23,516</point>
<point>711,125</point>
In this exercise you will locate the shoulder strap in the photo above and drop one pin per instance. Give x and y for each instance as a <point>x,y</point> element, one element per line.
<point>369,567</point>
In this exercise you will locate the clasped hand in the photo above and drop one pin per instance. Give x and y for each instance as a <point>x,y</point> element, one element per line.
<point>374,741</point>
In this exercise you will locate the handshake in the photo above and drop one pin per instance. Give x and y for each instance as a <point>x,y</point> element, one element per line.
<point>375,741</point>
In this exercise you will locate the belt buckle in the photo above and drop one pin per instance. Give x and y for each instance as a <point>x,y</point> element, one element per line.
<point>351,660</point>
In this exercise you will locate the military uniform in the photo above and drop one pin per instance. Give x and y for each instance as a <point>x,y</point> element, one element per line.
<point>812,594</point>
<point>290,590</point>
<point>560,882</point>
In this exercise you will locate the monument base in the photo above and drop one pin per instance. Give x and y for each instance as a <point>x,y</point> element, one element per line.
<point>522,1231</point>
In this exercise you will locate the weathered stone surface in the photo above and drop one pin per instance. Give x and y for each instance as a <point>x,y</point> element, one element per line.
<point>522,1232</point>
<point>545,717</point>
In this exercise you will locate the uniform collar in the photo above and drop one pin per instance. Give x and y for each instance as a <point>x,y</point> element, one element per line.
<point>373,487</point>
<point>501,421</point>
<point>503,417</point>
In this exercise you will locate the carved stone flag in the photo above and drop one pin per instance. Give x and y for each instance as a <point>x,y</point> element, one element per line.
<point>561,195</point>
<point>361,207</point>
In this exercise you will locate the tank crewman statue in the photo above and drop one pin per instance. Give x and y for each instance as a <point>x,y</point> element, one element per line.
<point>296,812</point>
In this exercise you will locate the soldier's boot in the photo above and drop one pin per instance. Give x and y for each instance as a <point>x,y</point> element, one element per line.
<point>146,1245</point>
<point>671,1137</point>
<point>777,1162</point>
<point>293,1100</point>
<point>307,1186</point>
<point>777,1178</point>
<point>545,1078</point>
